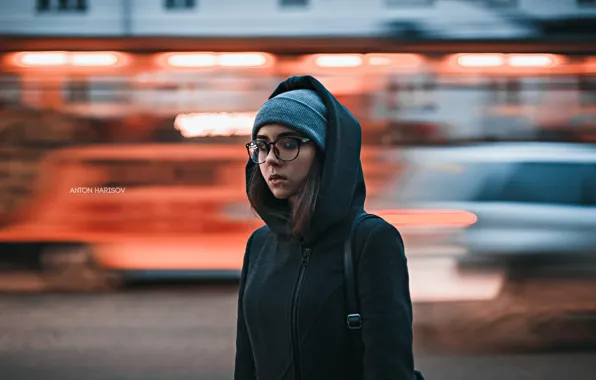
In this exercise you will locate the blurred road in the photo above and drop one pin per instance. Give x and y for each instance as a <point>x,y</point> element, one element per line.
<point>188,333</point>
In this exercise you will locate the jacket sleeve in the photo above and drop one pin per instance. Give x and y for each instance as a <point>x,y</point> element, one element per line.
<point>244,367</point>
<point>385,306</point>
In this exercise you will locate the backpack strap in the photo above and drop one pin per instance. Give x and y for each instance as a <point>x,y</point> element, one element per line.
<point>353,318</point>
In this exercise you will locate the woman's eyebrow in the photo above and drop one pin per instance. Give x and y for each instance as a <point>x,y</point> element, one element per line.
<point>290,133</point>
<point>283,134</point>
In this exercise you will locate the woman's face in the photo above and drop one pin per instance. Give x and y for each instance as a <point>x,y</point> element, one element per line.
<point>284,178</point>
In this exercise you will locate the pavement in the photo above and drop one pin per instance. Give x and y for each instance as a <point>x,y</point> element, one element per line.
<point>187,332</point>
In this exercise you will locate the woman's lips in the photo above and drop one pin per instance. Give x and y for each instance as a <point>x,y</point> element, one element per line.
<point>276,180</point>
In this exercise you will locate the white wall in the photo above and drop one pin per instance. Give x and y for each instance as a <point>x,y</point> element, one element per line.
<point>260,18</point>
<point>463,18</point>
<point>103,17</point>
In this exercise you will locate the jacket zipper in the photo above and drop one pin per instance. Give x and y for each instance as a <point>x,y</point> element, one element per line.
<point>296,338</point>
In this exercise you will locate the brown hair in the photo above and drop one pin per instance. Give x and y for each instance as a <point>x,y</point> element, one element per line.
<point>263,202</point>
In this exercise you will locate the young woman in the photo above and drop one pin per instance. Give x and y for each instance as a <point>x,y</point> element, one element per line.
<point>304,179</point>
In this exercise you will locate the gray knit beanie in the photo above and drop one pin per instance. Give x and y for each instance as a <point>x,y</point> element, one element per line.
<point>302,110</point>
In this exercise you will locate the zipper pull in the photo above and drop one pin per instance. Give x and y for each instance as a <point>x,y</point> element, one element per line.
<point>305,256</point>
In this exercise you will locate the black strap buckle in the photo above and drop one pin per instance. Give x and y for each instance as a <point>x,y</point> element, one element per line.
<point>354,321</point>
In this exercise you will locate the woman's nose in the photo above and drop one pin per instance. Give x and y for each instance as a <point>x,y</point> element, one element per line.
<point>271,158</point>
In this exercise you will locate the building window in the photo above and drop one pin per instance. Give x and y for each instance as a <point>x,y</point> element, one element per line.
<point>505,92</point>
<point>293,3</point>
<point>587,90</point>
<point>501,3</point>
<point>586,3</point>
<point>61,5</point>
<point>180,4</point>
<point>410,95</point>
<point>77,92</point>
<point>396,3</point>
<point>10,90</point>
<point>96,90</point>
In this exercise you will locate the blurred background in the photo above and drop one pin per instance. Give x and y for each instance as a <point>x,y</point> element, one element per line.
<point>123,215</point>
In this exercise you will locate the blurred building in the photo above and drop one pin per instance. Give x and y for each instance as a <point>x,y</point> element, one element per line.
<point>474,19</point>
<point>396,63</point>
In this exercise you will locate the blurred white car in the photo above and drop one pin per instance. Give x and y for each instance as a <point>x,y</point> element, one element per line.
<point>517,224</point>
<point>519,209</point>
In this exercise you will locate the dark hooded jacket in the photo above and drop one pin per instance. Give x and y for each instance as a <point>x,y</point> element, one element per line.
<point>292,306</point>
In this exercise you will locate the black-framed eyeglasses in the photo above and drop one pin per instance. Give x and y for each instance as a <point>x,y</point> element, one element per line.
<point>285,148</point>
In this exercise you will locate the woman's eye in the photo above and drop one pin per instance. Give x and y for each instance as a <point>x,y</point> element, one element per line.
<point>289,145</point>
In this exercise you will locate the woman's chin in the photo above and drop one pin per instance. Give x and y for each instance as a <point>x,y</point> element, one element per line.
<point>282,196</point>
<point>281,193</point>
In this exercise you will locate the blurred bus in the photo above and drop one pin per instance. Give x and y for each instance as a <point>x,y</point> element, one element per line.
<point>169,128</point>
